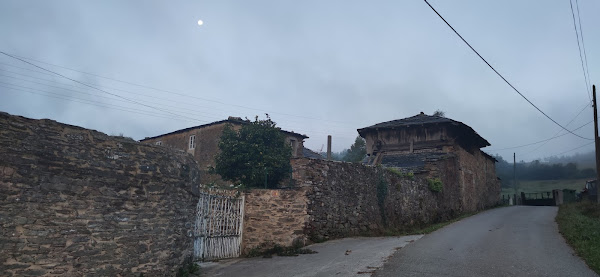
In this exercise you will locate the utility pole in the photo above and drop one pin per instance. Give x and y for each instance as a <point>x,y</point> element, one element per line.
<point>329,147</point>
<point>515,174</point>
<point>596,144</point>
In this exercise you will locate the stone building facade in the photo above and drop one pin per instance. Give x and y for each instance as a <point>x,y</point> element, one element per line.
<point>202,142</point>
<point>416,144</point>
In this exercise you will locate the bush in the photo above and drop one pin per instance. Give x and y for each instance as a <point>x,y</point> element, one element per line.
<point>435,185</point>
<point>254,155</point>
<point>397,172</point>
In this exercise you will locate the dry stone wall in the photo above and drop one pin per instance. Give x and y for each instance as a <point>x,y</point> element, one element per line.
<point>274,217</point>
<point>346,199</point>
<point>76,202</point>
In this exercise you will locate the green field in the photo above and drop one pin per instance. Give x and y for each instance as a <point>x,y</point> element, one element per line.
<point>546,185</point>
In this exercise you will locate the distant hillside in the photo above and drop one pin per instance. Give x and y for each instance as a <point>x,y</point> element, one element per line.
<point>568,168</point>
<point>586,160</point>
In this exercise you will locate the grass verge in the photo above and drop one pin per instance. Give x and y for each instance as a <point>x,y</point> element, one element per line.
<point>579,223</point>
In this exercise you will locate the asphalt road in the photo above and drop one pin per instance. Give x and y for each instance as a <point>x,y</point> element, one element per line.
<point>511,241</point>
<point>345,257</point>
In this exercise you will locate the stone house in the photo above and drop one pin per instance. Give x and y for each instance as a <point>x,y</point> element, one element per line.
<point>203,143</point>
<point>440,148</point>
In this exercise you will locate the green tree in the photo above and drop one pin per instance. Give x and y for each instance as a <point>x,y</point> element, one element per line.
<point>255,152</point>
<point>357,151</point>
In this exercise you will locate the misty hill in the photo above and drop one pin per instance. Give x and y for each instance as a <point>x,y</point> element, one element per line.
<point>537,170</point>
<point>585,160</point>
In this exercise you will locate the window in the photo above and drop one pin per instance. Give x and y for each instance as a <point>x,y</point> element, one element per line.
<point>159,143</point>
<point>192,141</point>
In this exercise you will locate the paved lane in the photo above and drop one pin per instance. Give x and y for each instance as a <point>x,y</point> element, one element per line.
<point>511,241</point>
<point>344,257</point>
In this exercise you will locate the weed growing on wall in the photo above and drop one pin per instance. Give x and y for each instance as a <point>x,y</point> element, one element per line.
<point>189,268</point>
<point>435,184</point>
<point>382,188</point>
<point>397,172</point>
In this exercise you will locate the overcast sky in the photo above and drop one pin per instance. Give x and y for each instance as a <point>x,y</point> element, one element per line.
<point>316,67</point>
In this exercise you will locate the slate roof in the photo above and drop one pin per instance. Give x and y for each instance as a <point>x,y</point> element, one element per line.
<point>419,119</point>
<point>233,120</point>
<point>423,120</point>
<point>307,153</point>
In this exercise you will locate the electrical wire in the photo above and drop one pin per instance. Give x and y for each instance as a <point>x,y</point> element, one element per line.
<point>180,94</point>
<point>587,68</point>
<point>188,103</point>
<point>90,102</point>
<point>541,141</point>
<point>502,77</point>
<point>69,97</point>
<point>99,87</point>
<point>585,76</point>
<point>575,148</point>
<point>560,130</point>
<point>93,87</point>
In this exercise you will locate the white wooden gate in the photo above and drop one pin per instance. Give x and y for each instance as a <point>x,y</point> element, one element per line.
<point>219,224</point>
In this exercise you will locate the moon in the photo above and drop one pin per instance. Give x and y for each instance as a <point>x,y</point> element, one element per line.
<point>200,22</point>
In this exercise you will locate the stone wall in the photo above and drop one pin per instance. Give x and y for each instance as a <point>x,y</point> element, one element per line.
<point>274,217</point>
<point>480,187</point>
<point>78,202</point>
<point>346,199</point>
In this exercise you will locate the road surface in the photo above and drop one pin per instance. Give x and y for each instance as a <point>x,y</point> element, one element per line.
<point>511,241</point>
<point>344,257</point>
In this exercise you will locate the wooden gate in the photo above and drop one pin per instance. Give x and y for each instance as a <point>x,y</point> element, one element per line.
<point>219,222</point>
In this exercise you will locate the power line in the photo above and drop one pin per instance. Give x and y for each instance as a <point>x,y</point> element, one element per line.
<point>537,142</point>
<point>90,86</point>
<point>177,93</point>
<point>208,114</point>
<point>122,108</point>
<point>89,102</point>
<point>500,75</point>
<point>585,76</point>
<point>323,121</point>
<point>560,130</point>
<point>197,112</point>
<point>587,68</point>
<point>575,148</point>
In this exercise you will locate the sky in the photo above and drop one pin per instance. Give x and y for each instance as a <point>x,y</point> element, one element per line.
<point>145,68</point>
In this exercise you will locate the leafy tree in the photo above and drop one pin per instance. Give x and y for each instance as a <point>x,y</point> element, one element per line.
<point>255,152</point>
<point>357,151</point>
<point>439,113</point>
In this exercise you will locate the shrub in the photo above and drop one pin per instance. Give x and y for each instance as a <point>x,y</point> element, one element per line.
<point>435,184</point>
<point>397,172</point>
<point>255,155</point>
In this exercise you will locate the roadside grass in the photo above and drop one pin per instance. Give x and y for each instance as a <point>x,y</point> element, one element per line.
<point>579,223</point>
<point>546,185</point>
